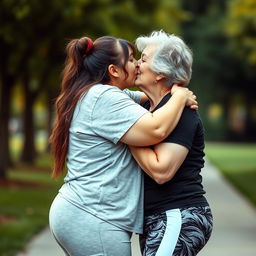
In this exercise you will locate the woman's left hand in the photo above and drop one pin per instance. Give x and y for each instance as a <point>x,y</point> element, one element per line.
<point>191,100</point>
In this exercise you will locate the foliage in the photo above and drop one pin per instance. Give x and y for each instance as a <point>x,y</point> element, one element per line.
<point>241,28</point>
<point>218,75</point>
<point>204,34</point>
<point>33,36</point>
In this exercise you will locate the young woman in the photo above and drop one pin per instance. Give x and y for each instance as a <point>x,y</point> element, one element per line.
<point>101,202</point>
<point>178,220</point>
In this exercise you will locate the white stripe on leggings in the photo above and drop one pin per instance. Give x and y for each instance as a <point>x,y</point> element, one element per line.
<point>171,234</point>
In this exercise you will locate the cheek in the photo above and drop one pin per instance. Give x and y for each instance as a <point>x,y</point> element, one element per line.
<point>131,68</point>
<point>145,71</point>
<point>145,68</point>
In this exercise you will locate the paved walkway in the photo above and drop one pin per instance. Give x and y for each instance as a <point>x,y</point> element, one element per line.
<point>234,231</point>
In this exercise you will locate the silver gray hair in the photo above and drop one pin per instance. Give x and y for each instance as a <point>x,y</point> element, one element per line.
<point>173,58</point>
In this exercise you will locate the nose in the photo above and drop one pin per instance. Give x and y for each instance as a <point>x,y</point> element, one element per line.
<point>138,62</point>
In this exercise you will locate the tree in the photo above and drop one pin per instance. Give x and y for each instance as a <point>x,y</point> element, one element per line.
<point>12,58</point>
<point>5,95</point>
<point>241,28</point>
<point>221,35</point>
<point>204,34</point>
<point>33,35</point>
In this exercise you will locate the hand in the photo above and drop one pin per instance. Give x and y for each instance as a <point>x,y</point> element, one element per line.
<point>189,95</point>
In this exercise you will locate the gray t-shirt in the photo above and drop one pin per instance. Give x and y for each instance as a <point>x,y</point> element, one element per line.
<point>103,178</point>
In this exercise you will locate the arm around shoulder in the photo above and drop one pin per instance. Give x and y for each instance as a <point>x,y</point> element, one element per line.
<point>152,128</point>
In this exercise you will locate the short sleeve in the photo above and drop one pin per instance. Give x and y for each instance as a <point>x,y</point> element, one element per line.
<point>185,130</point>
<point>114,113</point>
<point>135,95</point>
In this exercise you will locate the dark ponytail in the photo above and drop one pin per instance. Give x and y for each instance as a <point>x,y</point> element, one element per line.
<point>86,65</point>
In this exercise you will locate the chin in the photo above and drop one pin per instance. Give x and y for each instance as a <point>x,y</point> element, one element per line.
<point>136,83</point>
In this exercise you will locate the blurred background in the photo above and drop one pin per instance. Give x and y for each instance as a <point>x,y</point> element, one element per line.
<point>33,36</point>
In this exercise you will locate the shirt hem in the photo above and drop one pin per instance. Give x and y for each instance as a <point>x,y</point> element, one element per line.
<point>128,229</point>
<point>176,206</point>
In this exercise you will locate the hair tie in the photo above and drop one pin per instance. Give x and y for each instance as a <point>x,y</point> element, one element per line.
<point>89,45</point>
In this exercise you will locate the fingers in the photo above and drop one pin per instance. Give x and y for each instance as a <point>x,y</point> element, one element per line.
<point>194,102</point>
<point>175,88</point>
<point>191,97</point>
<point>194,107</point>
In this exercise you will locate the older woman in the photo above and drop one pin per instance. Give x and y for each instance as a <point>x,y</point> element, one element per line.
<point>178,220</point>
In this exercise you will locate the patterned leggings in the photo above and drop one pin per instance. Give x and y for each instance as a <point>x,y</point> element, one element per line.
<point>177,232</point>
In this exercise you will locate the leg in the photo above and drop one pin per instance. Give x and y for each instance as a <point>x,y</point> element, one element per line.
<point>195,232</point>
<point>115,241</point>
<point>66,253</point>
<point>157,231</point>
<point>79,233</point>
<point>177,232</point>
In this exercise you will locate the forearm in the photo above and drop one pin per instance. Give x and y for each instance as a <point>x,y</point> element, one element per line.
<point>152,128</point>
<point>143,97</point>
<point>149,162</point>
<point>152,164</point>
<point>145,157</point>
<point>162,162</point>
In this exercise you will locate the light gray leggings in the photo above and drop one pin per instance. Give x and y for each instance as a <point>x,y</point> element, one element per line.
<point>80,233</point>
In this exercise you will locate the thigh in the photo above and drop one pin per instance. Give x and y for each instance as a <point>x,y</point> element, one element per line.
<point>79,233</point>
<point>76,231</point>
<point>115,240</point>
<point>161,233</point>
<point>154,229</point>
<point>195,232</point>
<point>176,232</point>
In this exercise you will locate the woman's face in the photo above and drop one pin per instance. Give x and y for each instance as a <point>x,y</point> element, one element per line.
<point>145,76</point>
<point>131,69</point>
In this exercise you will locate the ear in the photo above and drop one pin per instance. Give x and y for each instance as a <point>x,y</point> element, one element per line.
<point>113,70</point>
<point>159,77</point>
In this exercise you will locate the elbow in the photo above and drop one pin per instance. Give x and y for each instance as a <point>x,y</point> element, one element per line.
<point>161,178</point>
<point>164,175</point>
<point>160,134</point>
<point>159,174</point>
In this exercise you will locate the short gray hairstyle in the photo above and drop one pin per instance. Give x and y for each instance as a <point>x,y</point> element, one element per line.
<point>173,58</point>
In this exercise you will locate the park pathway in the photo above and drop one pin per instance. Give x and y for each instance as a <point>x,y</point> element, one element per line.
<point>234,232</point>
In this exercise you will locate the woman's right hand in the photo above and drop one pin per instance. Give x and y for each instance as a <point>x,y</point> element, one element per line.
<point>186,93</point>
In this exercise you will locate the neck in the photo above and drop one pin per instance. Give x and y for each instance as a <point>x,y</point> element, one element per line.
<point>155,94</point>
<point>117,83</point>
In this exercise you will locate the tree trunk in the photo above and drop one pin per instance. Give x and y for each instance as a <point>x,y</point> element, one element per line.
<point>50,112</point>
<point>29,151</point>
<point>6,83</point>
<point>5,159</point>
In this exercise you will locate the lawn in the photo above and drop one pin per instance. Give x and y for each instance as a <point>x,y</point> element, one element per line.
<point>24,204</point>
<point>237,162</point>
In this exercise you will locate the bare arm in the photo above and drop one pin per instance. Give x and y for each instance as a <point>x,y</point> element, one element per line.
<point>152,128</point>
<point>162,162</point>
<point>143,98</point>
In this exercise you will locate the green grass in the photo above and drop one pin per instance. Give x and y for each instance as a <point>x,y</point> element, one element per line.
<point>237,162</point>
<point>25,209</point>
